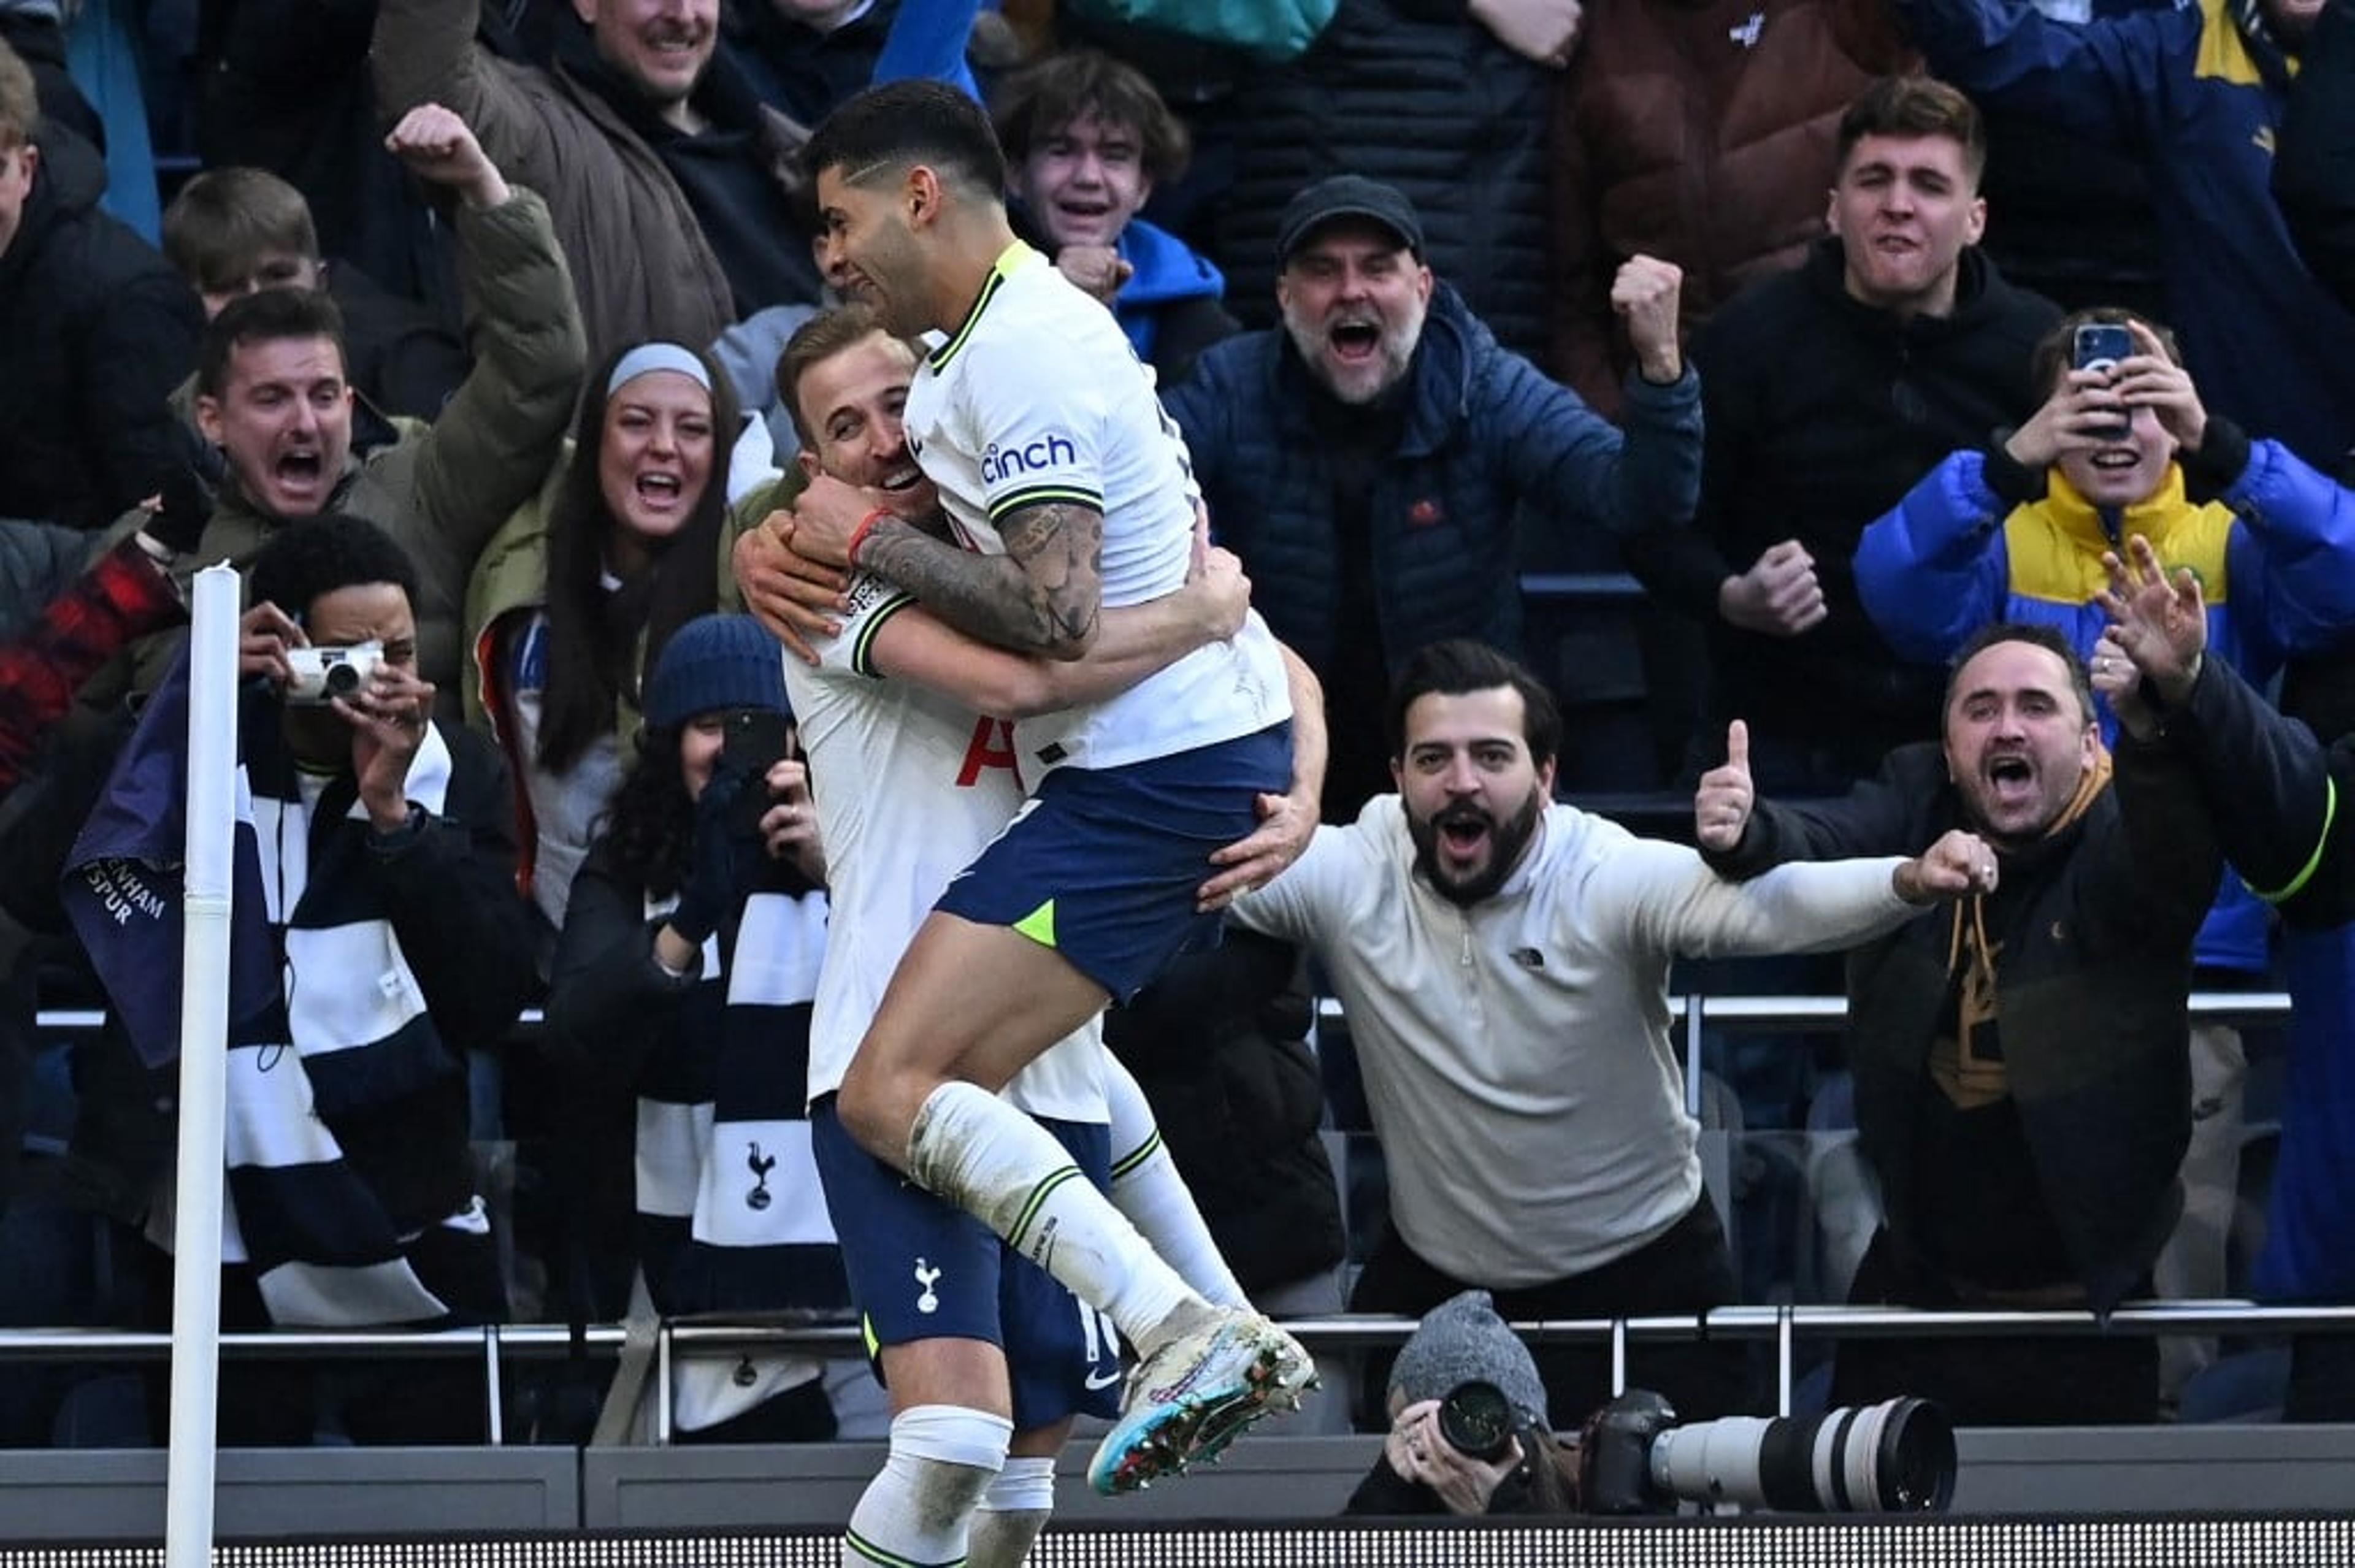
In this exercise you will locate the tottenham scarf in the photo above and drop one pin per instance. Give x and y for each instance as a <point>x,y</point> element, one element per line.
<point>731,1219</point>
<point>327,1019</point>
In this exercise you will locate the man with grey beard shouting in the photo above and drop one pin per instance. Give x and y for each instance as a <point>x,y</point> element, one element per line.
<point>1372,461</point>
<point>1502,961</point>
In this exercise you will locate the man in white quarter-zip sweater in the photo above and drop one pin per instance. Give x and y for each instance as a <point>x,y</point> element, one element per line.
<point>1503,962</point>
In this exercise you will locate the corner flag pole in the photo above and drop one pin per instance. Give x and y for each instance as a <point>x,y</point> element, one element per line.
<point>204,1046</point>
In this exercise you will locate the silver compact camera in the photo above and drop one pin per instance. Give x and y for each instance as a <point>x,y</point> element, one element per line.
<point>317,676</point>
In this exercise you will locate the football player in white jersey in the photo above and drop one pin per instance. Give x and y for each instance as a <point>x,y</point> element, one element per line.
<point>1070,493</point>
<point>972,1347</point>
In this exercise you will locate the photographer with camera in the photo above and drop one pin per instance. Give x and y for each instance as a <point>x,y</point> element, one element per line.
<point>1466,1439</point>
<point>1467,1432</point>
<point>679,1016</point>
<point>2125,444</point>
<point>1897,1456</point>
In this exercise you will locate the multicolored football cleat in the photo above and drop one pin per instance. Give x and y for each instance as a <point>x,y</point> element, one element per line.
<point>1195,1395</point>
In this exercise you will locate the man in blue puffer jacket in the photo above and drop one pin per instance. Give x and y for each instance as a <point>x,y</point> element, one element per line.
<point>1370,461</point>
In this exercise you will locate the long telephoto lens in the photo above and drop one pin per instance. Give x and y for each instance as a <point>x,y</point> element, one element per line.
<point>1897,1456</point>
<point>1912,1451</point>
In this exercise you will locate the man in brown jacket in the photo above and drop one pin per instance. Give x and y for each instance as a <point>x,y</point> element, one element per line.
<point>667,179</point>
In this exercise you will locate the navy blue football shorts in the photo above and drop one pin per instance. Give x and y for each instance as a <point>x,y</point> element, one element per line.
<point>1102,864</point>
<point>922,1268</point>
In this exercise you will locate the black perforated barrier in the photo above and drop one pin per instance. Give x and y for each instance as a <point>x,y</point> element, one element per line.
<point>2192,1541</point>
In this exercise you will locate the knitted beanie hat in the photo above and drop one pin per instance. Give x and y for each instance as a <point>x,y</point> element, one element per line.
<point>1461,1340</point>
<point>715,662</point>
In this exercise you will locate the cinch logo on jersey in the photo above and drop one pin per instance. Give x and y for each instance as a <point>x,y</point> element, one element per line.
<point>1051,451</point>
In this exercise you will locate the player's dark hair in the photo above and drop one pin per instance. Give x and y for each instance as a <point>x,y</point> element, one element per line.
<point>885,131</point>
<point>814,341</point>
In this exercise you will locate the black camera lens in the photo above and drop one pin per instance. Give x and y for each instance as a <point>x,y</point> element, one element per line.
<point>1477,1419</point>
<point>1913,1456</point>
<point>340,679</point>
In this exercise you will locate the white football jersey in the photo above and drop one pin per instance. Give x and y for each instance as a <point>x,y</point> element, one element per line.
<point>1038,397</point>
<point>910,788</point>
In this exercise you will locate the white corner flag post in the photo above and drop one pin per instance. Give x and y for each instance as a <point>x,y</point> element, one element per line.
<point>204,1047</point>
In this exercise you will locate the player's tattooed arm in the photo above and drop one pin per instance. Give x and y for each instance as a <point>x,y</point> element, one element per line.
<point>1043,596</point>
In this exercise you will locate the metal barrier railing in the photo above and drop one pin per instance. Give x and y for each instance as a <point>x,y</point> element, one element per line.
<point>1802,1014</point>
<point>1783,1325</point>
<point>1767,1015</point>
<point>1759,1013</point>
<point>494,1343</point>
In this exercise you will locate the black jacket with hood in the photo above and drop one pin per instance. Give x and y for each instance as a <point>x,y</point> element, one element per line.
<point>98,330</point>
<point>2089,935</point>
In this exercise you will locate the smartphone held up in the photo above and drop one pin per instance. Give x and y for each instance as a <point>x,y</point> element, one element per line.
<point>755,739</point>
<point>2102,347</point>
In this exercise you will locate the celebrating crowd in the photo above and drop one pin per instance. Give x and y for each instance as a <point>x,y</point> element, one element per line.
<point>924,579</point>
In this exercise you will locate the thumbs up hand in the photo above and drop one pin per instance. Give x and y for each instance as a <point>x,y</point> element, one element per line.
<point>1721,805</point>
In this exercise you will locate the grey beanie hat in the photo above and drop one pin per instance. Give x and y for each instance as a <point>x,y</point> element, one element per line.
<point>1463,1339</point>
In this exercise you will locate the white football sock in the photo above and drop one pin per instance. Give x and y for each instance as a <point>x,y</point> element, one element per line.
<point>996,1163</point>
<point>1012,1513</point>
<point>1146,1187</point>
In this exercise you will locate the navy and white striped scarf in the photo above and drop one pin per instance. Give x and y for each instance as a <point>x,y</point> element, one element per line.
<point>353,1035</point>
<point>731,1219</point>
<point>328,1022</point>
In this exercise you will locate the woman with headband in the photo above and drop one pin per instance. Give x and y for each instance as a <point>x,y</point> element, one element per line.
<point>567,612</point>
<point>571,603</point>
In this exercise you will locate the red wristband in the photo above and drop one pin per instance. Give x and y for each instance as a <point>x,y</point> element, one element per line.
<point>858,534</point>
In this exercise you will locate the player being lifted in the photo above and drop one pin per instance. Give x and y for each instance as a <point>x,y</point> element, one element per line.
<point>1069,492</point>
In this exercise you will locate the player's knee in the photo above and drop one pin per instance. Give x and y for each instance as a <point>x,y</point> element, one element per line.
<point>878,1107</point>
<point>862,1106</point>
<point>949,1455</point>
